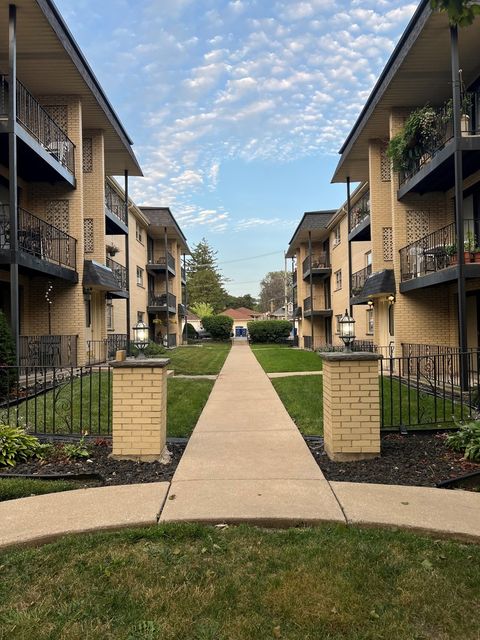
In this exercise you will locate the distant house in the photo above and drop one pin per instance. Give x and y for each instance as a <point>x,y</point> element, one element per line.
<point>279,314</point>
<point>240,318</point>
<point>194,321</point>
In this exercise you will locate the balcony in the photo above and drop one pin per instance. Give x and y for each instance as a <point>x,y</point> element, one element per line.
<point>41,246</point>
<point>162,303</point>
<point>48,351</point>
<point>433,259</point>
<point>36,130</point>
<point>358,280</point>
<point>158,264</point>
<point>434,169</point>
<point>116,222</point>
<point>120,274</point>
<point>315,308</point>
<point>318,265</point>
<point>359,220</point>
<point>182,310</point>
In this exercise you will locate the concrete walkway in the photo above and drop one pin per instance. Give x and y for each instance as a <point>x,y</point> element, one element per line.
<point>246,459</point>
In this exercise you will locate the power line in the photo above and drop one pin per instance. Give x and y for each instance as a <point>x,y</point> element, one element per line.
<point>260,255</point>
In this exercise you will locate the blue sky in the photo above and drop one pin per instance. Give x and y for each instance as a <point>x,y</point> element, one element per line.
<point>237,108</point>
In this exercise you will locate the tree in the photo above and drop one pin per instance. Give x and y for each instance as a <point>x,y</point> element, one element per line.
<point>235,302</point>
<point>460,13</point>
<point>272,290</point>
<point>202,309</point>
<point>204,280</point>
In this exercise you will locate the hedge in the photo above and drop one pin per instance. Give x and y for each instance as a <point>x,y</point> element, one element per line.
<point>219,327</point>
<point>269,330</point>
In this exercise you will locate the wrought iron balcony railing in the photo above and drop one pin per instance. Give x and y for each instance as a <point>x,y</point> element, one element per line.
<point>360,211</point>
<point>318,260</point>
<point>115,203</point>
<point>313,304</point>
<point>358,280</point>
<point>119,272</point>
<point>39,124</point>
<point>160,260</point>
<point>48,351</point>
<point>162,300</point>
<point>437,251</point>
<point>38,238</point>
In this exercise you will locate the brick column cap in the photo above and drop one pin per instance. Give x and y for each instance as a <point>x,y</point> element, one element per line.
<point>143,363</point>
<point>341,356</point>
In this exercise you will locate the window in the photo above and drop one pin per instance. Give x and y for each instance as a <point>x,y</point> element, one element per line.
<point>337,237</point>
<point>109,313</point>
<point>138,233</point>
<point>368,259</point>
<point>140,316</point>
<point>337,324</point>
<point>139,277</point>
<point>338,279</point>
<point>370,322</point>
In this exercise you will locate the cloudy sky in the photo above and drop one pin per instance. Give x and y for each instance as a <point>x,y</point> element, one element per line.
<point>238,107</point>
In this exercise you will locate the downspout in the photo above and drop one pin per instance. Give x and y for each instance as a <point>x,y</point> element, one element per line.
<point>12,184</point>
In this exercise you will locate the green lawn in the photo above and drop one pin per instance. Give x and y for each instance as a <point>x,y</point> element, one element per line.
<point>62,412</point>
<point>203,359</point>
<point>188,582</point>
<point>303,399</point>
<point>11,488</point>
<point>278,358</point>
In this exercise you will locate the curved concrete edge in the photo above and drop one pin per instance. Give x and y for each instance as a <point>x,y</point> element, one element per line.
<point>40,519</point>
<point>443,513</point>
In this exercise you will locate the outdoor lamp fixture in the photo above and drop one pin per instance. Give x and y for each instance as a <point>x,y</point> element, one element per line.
<point>140,338</point>
<point>370,303</point>
<point>347,330</point>
<point>391,299</point>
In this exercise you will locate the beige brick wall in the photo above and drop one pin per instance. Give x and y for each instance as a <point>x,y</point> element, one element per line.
<point>351,409</point>
<point>139,412</point>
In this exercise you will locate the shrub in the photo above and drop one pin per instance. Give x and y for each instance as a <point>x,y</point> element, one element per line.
<point>190,332</point>
<point>16,445</point>
<point>467,441</point>
<point>8,377</point>
<point>219,327</point>
<point>269,330</point>
<point>153,350</point>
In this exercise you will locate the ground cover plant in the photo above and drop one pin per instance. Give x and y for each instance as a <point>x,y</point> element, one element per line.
<point>203,359</point>
<point>467,441</point>
<point>187,582</point>
<point>278,358</point>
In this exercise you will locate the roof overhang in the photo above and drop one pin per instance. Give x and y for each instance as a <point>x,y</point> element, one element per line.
<point>161,219</point>
<point>98,277</point>
<point>307,229</point>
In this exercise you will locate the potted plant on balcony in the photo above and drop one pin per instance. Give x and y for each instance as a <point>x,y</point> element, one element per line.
<point>112,250</point>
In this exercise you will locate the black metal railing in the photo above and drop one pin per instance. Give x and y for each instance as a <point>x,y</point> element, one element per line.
<point>162,300</point>
<point>160,261</point>
<point>437,251</point>
<point>116,342</point>
<point>36,120</point>
<point>360,210</point>
<point>314,304</point>
<point>115,203</point>
<point>183,274</point>
<point>48,351</point>
<point>172,340</point>
<point>120,273</point>
<point>307,342</point>
<point>442,132</point>
<point>100,351</point>
<point>358,280</point>
<point>39,238</point>
<point>358,345</point>
<point>57,400</point>
<point>318,260</point>
<point>429,391</point>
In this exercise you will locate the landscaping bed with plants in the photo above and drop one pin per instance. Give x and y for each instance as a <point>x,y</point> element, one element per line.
<point>420,459</point>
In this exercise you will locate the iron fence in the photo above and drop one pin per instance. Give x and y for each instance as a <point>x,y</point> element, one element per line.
<point>429,390</point>
<point>57,401</point>
<point>36,120</point>
<point>360,211</point>
<point>358,280</point>
<point>318,260</point>
<point>120,273</point>
<point>115,203</point>
<point>162,300</point>
<point>48,351</point>
<point>100,351</point>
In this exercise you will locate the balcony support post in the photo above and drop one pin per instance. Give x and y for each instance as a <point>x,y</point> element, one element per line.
<point>13,186</point>
<point>349,213</point>
<point>165,243</point>
<point>458,163</point>
<point>186,297</point>
<point>127,264</point>
<point>312,317</point>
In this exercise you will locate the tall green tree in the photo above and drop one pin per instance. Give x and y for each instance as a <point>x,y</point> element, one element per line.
<point>202,309</point>
<point>272,290</point>
<point>460,13</point>
<point>235,302</point>
<point>205,282</point>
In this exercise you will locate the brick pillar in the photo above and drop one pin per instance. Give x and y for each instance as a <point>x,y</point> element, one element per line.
<point>351,405</point>
<point>139,409</point>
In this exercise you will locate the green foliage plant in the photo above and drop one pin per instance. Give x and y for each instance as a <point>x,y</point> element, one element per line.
<point>8,377</point>
<point>77,450</point>
<point>16,445</point>
<point>269,330</point>
<point>460,12</point>
<point>219,327</point>
<point>466,440</point>
<point>202,309</point>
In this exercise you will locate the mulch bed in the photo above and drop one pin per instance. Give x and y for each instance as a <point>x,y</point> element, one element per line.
<point>112,471</point>
<point>417,459</point>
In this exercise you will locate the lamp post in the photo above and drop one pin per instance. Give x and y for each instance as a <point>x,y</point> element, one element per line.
<point>140,338</point>
<point>347,330</point>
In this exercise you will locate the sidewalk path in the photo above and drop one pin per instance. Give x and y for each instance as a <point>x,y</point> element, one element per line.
<point>246,459</point>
